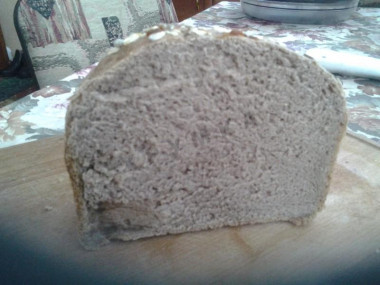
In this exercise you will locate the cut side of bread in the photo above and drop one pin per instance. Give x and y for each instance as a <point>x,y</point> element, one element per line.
<point>185,130</point>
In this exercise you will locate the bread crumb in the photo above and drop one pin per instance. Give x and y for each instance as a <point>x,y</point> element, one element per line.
<point>48,208</point>
<point>151,152</point>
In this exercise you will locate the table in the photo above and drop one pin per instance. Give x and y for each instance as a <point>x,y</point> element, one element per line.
<point>41,114</point>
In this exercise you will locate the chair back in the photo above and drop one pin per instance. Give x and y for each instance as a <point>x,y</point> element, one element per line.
<point>60,37</point>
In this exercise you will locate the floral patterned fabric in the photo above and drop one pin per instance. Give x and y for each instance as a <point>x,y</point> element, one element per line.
<point>64,36</point>
<point>42,113</point>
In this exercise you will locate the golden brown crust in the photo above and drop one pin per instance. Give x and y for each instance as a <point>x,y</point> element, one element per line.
<point>84,225</point>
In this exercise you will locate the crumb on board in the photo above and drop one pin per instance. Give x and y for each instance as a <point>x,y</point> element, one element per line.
<point>48,208</point>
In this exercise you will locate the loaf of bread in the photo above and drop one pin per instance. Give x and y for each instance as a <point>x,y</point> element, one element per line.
<point>184,129</point>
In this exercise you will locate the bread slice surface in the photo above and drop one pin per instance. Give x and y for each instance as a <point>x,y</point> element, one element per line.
<point>198,130</point>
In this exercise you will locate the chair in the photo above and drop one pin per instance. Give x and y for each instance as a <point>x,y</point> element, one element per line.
<point>60,37</point>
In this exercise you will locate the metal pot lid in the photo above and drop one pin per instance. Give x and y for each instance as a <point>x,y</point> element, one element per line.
<point>305,4</point>
<point>300,11</point>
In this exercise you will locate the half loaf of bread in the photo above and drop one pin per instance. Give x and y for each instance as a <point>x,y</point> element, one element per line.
<point>185,130</point>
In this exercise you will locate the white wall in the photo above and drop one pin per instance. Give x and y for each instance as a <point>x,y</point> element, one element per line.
<point>7,26</point>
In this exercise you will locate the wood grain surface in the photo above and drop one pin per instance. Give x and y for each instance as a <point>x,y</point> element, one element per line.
<point>188,8</point>
<point>37,209</point>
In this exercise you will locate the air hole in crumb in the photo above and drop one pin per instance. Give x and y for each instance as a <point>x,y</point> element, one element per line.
<point>279,61</point>
<point>187,170</point>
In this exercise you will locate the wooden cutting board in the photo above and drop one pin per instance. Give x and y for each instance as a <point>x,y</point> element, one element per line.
<point>37,209</point>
